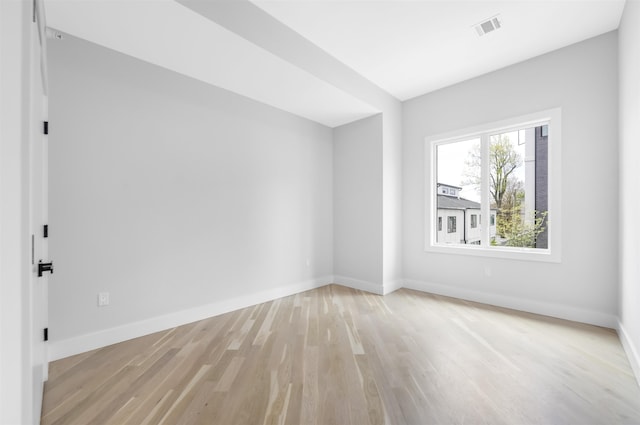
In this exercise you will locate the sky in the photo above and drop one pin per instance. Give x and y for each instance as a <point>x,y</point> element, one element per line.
<point>451,166</point>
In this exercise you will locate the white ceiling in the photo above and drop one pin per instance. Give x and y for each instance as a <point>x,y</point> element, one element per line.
<point>409,48</point>
<point>167,34</point>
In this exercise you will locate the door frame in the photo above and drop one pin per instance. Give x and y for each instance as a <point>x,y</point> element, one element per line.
<point>38,206</point>
<point>17,401</point>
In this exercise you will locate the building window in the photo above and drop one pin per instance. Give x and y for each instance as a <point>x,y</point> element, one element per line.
<point>439,224</point>
<point>508,170</point>
<point>451,224</point>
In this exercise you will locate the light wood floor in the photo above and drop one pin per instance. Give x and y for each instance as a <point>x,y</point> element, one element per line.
<point>340,356</point>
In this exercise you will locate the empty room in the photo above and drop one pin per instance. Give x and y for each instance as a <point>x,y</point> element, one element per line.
<point>319,212</point>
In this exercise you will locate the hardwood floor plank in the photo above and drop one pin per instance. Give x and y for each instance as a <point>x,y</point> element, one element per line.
<point>310,386</point>
<point>186,395</point>
<point>335,355</point>
<point>156,411</point>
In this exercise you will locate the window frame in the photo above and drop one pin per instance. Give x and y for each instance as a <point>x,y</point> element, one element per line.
<point>550,117</point>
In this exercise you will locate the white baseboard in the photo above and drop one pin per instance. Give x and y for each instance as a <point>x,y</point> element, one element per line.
<point>99,339</point>
<point>537,307</point>
<point>392,286</point>
<point>80,344</point>
<point>362,285</point>
<point>632,351</point>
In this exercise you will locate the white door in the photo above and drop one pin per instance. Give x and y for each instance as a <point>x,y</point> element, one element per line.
<point>38,199</point>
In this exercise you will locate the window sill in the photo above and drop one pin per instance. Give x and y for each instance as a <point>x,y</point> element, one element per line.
<point>523,254</point>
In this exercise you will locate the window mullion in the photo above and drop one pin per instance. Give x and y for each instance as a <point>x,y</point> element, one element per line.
<point>485,196</point>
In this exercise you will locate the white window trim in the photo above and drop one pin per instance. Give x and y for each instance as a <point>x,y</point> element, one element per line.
<point>553,252</point>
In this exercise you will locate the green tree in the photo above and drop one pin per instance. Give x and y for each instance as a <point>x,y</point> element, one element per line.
<point>519,232</point>
<point>514,195</point>
<point>504,160</point>
<point>507,193</point>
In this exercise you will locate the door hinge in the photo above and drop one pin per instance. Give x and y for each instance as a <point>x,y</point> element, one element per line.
<point>45,231</point>
<point>46,334</point>
<point>46,127</point>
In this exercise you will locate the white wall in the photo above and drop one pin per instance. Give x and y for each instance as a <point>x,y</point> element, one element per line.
<point>174,196</point>
<point>629,51</point>
<point>357,189</point>
<point>392,197</point>
<point>248,20</point>
<point>582,80</point>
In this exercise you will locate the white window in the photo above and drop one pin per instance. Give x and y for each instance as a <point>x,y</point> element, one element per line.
<point>451,224</point>
<point>509,171</point>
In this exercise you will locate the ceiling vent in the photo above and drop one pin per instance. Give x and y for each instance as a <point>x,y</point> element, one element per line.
<point>491,24</point>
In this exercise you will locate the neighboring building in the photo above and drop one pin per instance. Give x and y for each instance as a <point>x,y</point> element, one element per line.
<point>459,220</point>
<point>536,179</point>
<point>542,181</point>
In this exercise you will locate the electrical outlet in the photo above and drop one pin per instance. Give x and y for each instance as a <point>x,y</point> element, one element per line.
<point>103,299</point>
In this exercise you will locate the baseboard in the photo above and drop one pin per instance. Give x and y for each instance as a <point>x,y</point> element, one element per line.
<point>537,307</point>
<point>632,352</point>
<point>80,344</point>
<point>362,285</point>
<point>83,343</point>
<point>392,286</point>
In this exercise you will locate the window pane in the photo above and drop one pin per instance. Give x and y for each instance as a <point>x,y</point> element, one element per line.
<point>518,167</point>
<point>451,224</point>
<point>458,177</point>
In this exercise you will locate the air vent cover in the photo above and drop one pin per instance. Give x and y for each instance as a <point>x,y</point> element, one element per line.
<point>488,25</point>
